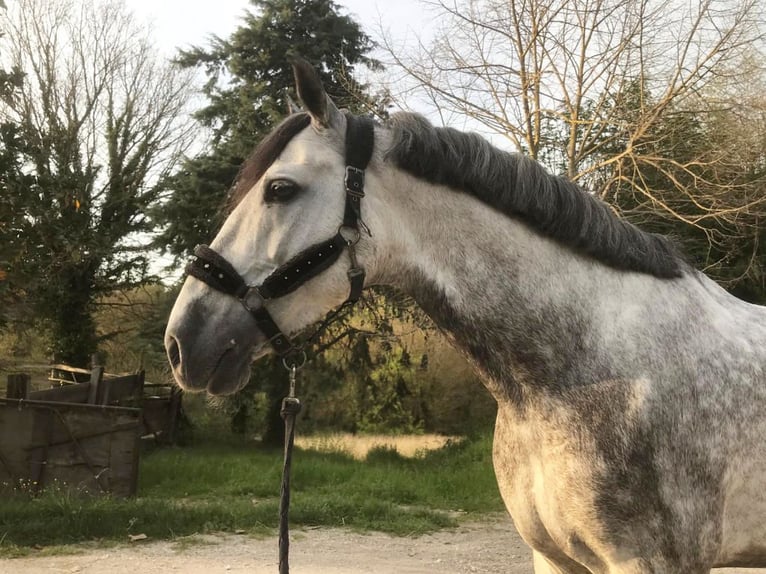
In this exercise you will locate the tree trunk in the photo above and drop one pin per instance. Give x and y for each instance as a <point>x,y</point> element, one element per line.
<point>73,329</point>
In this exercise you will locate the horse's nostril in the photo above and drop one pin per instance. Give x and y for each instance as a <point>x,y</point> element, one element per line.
<point>174,352</point>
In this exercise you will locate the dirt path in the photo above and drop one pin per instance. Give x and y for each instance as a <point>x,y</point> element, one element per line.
<point>490,546</point>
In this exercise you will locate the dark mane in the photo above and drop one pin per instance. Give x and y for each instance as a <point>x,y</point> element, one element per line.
<point>264,155</point>
<point>519,186</point>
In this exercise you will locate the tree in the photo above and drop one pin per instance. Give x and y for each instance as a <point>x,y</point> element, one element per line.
<point>248,80</point>
<point>606,92</point>
<point>707,188</point>
<point>13,180</point>
<point>100,120</point>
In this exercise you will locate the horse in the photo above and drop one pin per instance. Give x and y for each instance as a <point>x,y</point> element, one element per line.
<point>631,388</point>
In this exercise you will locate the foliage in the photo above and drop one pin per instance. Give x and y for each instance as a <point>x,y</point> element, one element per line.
<point>707,193</point>
<point>219,487</point>
<point>248,81</point>
<point>12,179</point>
<point>95,122</point>
<point>130,325</point>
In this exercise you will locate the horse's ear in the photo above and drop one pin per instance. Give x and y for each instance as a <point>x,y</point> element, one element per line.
<point>311,92</point>
<point>292,106</point>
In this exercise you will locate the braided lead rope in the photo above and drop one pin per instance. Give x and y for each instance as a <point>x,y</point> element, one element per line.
<point>291,407</point>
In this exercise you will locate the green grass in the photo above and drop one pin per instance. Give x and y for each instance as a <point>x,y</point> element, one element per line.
<point>214,487</point>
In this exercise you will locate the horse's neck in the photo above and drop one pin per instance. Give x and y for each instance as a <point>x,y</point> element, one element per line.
<point>522,307</point>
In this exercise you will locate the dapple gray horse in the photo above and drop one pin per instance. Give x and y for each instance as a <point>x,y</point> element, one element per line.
<point>631,391</point>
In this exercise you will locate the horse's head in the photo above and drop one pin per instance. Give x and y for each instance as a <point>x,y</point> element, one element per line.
<point>289,197</point>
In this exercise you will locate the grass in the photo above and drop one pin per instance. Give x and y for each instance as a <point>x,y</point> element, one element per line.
<point>359,445</point>
<point>228,487</point>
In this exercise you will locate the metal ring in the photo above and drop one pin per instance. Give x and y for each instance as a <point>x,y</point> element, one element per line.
<point>354,236</point>
<point>252,300</point>
<point>295,365</point>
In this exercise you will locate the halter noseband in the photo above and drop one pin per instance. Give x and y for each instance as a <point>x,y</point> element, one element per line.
<point>212,269</point>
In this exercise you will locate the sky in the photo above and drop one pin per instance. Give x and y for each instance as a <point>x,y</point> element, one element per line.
<point>184,23</point>
<point>181,23</point>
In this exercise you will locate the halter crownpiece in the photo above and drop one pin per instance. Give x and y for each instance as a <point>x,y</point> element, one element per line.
<point>215,271</point>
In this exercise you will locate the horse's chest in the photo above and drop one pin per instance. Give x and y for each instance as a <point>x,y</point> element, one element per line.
<point>595,492</point>
<point>545,485</point>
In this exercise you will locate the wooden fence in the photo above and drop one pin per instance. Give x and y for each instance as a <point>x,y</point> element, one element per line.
<point>84,432</point>
<point>83,448</point>
<point>160,404</point>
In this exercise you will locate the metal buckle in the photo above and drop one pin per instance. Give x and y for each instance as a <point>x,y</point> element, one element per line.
<point>354,181</point>
<point>252,300</point>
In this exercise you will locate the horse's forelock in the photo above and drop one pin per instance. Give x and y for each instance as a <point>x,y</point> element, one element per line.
<point>266,153</point>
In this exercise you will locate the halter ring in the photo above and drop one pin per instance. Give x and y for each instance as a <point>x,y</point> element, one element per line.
<point>294,365</point>
<point>252,300</point>
<point>350,234</point>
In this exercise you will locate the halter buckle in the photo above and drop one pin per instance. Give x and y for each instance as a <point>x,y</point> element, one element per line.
<point>252,300</point>
<point>354,181</point>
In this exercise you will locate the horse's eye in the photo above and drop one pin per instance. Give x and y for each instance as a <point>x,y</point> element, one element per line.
<point>280,190</point>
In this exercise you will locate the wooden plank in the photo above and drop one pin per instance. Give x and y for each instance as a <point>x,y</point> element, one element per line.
<point>161,415</point>
<point>155,414</point>
<point>96,431</point>
<point>65,374</point>
<point>125,450</point>
<point>96,379</point>
<point>17,429</point>
<point>125,390</point>
<point>79,446</point>
<point>69,369</point>
<point>18,386</point>
<point>174,414</point>
<point>74,393</point>
<point>158,389</point>
<point>80,407</point>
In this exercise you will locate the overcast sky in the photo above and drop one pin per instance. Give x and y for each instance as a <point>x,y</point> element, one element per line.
<point>180,23</point>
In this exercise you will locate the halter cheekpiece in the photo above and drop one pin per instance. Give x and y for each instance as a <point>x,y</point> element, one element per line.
<point>211,268</point>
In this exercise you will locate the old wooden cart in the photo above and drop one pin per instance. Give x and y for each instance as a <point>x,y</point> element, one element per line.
<point>84,433</point>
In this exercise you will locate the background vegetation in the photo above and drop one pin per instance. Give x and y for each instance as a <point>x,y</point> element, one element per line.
<point>97,174</point>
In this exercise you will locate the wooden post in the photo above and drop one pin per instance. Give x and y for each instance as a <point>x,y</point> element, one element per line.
<point>18,386</point>
<point>96,382</point>
<point>174,407</point>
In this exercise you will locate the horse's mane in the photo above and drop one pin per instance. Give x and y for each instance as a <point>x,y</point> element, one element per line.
<point>520,187</point>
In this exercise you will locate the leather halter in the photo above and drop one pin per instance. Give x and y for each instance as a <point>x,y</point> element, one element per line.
<point>214,270</point>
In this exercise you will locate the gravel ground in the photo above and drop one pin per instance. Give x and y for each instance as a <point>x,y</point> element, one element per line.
<point>489,546</point>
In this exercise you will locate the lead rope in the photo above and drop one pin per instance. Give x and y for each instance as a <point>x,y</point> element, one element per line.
<point>291,407</point>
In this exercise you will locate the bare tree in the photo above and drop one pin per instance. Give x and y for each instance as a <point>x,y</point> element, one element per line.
<point>606,91</point>
<point>102,119</point>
